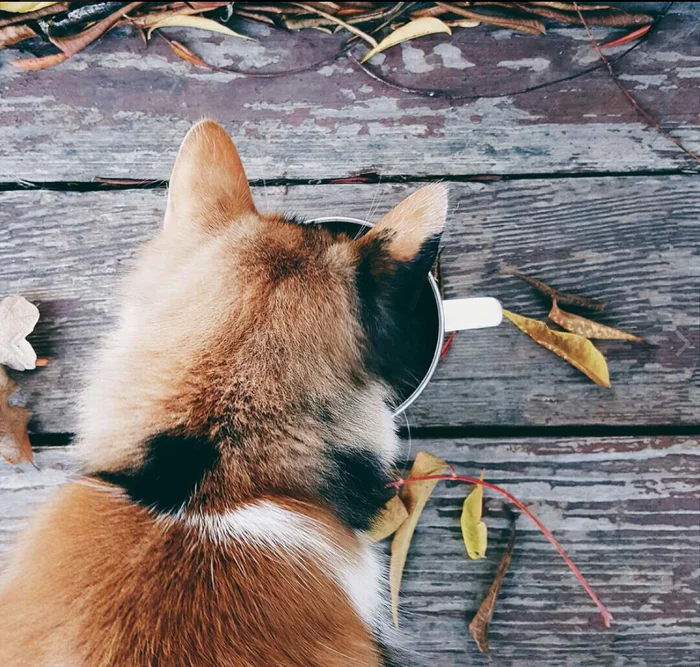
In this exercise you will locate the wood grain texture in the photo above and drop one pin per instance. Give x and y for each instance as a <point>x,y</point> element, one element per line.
<point>626,510</point>
<point>117,110</point>
<point>631,242</point>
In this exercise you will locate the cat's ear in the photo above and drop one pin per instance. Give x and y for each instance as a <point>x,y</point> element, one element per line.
<point>208,186</point>
<point>401,248</point>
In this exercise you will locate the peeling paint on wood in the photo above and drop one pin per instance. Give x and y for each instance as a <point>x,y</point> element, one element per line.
<point>631,242</point>
<point>116,111</point>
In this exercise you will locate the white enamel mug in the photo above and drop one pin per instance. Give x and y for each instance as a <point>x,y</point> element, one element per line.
<point>451,314</point>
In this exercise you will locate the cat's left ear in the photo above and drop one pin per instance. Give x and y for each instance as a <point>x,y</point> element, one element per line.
<point>401,248</point>
<point>208,186</point>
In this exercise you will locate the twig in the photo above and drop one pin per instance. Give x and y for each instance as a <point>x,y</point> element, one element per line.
<point>369,39</point>
<point>644,114</point>
<point>556,295</point>
<point>605,614</point>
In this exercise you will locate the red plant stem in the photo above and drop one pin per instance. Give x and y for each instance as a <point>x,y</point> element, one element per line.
<point>605,614</point>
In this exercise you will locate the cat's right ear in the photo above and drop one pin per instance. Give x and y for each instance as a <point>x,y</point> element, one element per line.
<point>208,186</point>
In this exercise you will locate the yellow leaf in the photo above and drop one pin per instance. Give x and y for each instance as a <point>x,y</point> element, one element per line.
<point>588,328</point>
<point>575,349</point>
<point>426,25</point>
<point>474,529</point>
<point>200,22</point>
<point>391,517</point>
<point>23,7</point>
<point>414,496</point>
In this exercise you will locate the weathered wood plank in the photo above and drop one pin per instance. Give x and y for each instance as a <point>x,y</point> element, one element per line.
<point>631,242</point>
<point>117,111</point>
<point>626,509</point>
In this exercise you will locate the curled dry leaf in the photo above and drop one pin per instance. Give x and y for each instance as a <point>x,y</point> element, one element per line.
<point>33,64</point>
<point>626,39</point>
<point>186,54</point>
<point>474,530</point>
<point>14,439</point>
<point>414,497</point>
<point>200,22</point>
<point>427,25</point>
<point>18,318</point>
<point>13,34</point>
<point>479,627</point>
<point>575,349</point>
<point>588,328</point>
<point>387,523</point>
<point>527,26</point>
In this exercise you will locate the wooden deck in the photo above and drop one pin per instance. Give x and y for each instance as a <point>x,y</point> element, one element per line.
<point>564,182</point>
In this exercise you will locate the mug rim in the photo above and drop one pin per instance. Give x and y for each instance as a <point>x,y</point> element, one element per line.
<point>438,302</point>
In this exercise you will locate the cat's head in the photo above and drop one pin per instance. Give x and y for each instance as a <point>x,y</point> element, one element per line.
<point>239,325</point>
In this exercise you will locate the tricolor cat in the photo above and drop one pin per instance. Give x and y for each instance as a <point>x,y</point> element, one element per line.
<point>237,439</point>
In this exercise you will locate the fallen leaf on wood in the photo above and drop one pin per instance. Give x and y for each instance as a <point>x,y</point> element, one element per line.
<point>33,64</point>
<point>183,52</point>
<point>527,26</point>
<point>13,34</point>
<point>561,297</point>
<point>635,34</point>
<point>387,523</point>
<point>575,349</point>
<point>474,530</point>
<point>199,22</point>
<point>463,23</point>
<point>479,627</point>
<point>18,318</point>
<point>14,439</point>
<point>588,328</point>
<point>334,19</point>
<point>23,7</point>
<point>414,497</point>
<point>427,25</point>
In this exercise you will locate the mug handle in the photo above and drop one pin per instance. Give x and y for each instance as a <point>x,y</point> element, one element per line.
<point>474,313</point>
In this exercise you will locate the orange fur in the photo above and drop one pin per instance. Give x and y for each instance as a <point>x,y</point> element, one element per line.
<point>244,330</point>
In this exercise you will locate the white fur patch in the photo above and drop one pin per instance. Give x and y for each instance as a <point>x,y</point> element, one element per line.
<point>266,524</point>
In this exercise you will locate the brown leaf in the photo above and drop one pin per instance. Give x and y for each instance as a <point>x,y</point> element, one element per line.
<point>72,45</point>
<point>575,349</point>
<point>56,8</point>
<point>13,34</point>
<point>555,294</point>
<point>190,56</point>
<point>33,64</point>
<point>479,627</point>
<point>14,438</point>
<point>527,26</point>
<point>414,496</point>
<point>630,37</point>
<point>387,523</point>
<point>588,328</point>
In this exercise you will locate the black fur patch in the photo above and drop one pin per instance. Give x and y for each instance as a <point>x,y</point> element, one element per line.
<point>173,466</point>
<point>394,297</point>
<point>354,484</point>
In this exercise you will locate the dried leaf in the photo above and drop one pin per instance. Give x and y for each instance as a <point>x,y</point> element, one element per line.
<point>200,22</point>
<point>387,523</point>
<point>474,529</point>
<point>190,56</point>
<point>479,627</point>
<point>72,45</point>
<point>575,349</point>
<point>555,294</point>
<point>414,496</point>
<point>14,439</point>
<point>33,64</point>
<point>54,8</point>
<point>588,328</point>
<point>334,19</point>
<point>463,23</point>
<point>427,25</point>
<point>630,37</point>
<point>18,318</point>
<point>527,26</point>
<point>13,34</point>
<point>23,7</point>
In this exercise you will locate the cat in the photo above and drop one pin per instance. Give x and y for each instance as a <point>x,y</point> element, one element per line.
<point>236,440</point>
